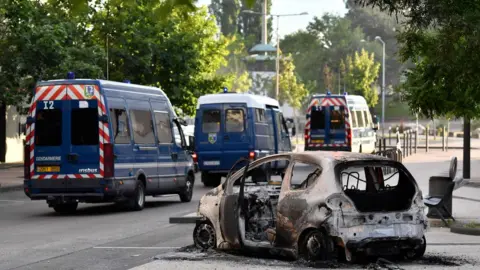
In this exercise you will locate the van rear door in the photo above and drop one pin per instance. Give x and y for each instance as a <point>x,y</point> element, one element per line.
<point>335,126</point>
<point>83,156</point>
<point>49,135</point>
<point>237,137</point>
<point>209,136</point>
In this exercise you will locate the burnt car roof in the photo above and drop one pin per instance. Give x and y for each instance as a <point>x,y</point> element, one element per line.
<point>336,157</point>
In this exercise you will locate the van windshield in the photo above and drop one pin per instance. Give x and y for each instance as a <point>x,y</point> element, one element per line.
<point>84,126</point>
<point>48,128</point>
<point>211,121</point>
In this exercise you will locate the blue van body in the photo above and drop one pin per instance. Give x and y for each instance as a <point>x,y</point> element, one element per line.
<point>230,126</point>
<point>103,141</point>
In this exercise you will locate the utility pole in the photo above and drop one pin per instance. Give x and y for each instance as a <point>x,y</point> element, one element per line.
<point>277,64</point>
<point>264,23</point>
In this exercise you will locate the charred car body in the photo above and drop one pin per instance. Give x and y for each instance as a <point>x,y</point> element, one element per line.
<point>327,203</point>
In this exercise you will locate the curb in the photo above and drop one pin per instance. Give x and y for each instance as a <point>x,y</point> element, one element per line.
<point>463,230</point>
<point>184,220</point>
<point>437,223</point>
<point>11,188</point>
<point>7,166</point>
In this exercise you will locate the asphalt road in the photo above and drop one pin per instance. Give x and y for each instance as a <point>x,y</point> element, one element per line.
<point>33,236</point>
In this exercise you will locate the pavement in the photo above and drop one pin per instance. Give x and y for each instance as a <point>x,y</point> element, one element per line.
<point>102,236</point>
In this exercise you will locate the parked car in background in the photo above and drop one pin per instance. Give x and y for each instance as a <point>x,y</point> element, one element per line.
<point>327,203</point>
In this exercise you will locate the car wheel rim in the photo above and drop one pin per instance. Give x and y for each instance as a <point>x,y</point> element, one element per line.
<point>205,236</point>
<point>314,245</point>
<point>141,198</point>
<point>189,186</point>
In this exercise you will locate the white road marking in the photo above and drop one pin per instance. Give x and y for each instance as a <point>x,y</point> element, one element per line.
<point>193,214</point>
<point>16,201</point>
<point>136,247</point>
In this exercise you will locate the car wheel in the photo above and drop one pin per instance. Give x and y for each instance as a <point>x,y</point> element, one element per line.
<point>204,235</point>
<point>315,246</point>
<point>137,203</point>
<point>66,208</point>
<point>418,252</point>
<point>187,191</point>
<point>211,180</point>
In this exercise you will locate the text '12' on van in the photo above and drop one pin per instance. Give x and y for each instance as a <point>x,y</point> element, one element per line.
<point>102,141</point>
<point>339,123</point>
<point>231,126</point>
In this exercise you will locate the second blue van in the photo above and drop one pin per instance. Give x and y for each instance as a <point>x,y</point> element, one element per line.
<point>103,141</point>
<point>231,126</point>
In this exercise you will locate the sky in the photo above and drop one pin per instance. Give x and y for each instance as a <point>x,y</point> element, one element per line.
<point>314,8</point>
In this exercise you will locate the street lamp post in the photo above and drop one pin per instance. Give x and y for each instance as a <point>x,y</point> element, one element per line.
<point>383,85</point>
<point>277,61</point>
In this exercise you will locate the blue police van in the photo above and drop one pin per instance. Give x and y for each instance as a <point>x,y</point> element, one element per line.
<point>103,141</point>
<point>231,126</point>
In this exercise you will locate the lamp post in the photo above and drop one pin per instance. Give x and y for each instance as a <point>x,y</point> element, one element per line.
<point>383,85</point>
<point>277,61</point>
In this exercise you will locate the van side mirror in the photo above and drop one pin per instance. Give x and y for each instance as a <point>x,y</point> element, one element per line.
<point>30,120</point>
<point>375,120</point>
<point>181,121</point>
<point>294,131</point>
<point>103,118</point>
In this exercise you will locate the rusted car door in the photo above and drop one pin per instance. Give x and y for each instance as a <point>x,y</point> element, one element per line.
<point>292,203</point>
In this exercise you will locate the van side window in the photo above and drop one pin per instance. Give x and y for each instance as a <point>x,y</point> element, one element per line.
<point>234,120</point>
<point>368,119</point>
<point>211,121</point>
<point>164,129</point>
<point>84,126</point>
<point>260,115</point>
<point>360,122</point>
<point>142,126</point>
<point>121,129</point>
<point>48,127</point>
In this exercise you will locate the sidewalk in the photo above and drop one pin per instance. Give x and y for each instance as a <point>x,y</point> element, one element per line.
<point>11,177</point>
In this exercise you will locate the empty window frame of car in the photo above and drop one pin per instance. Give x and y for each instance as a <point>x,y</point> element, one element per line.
<point>375,187</point>
<point>304,175</point>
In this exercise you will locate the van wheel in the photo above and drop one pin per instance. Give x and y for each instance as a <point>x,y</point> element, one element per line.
<point>187,191</point>
<point>211,180</point>
<point>360,149</point>
<point>66,208</point>
<point>138,201</point>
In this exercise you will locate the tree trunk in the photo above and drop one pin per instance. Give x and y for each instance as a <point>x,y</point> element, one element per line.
<point>3,132</point>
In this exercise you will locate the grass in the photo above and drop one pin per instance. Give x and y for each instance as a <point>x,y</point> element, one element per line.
<point>472,225</point>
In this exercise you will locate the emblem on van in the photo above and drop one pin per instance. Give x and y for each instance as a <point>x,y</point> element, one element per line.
<point>89,91</point>
<point>212,138</point>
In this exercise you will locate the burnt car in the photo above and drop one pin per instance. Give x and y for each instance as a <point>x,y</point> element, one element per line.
<point>323,205</point>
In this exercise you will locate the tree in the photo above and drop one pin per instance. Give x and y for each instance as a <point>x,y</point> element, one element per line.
<point>179,54</point>
<point>375,22</point>
<point>328,77</point>
<point>226,12</point>
<point>291,91</point>
<point>238,78</point>
<point>361,73</point>
<point>326,41</point>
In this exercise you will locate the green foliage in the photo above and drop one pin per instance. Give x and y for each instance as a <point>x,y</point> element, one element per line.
<point>40,41</point>
<point>291,91</point>
<point>237,77</point>
<point>181,55</point>
<point>361,73</point>
<point>327,41</point>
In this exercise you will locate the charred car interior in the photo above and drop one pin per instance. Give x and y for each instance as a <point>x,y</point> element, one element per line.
<point>321,204</point>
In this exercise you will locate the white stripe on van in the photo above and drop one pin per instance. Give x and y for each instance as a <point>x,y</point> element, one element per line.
<point>142,165</point>
<point>40,92</point>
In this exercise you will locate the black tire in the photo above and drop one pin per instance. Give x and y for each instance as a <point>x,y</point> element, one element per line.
<point>417,253</point>
<point>137,202</point>
<point>66,208</point>
<point>187,191</point>
<point>315,246</point>
<point>211,180</point>
<point>204,235</point>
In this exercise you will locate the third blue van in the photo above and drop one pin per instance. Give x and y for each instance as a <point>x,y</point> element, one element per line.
<point>231,126</point>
